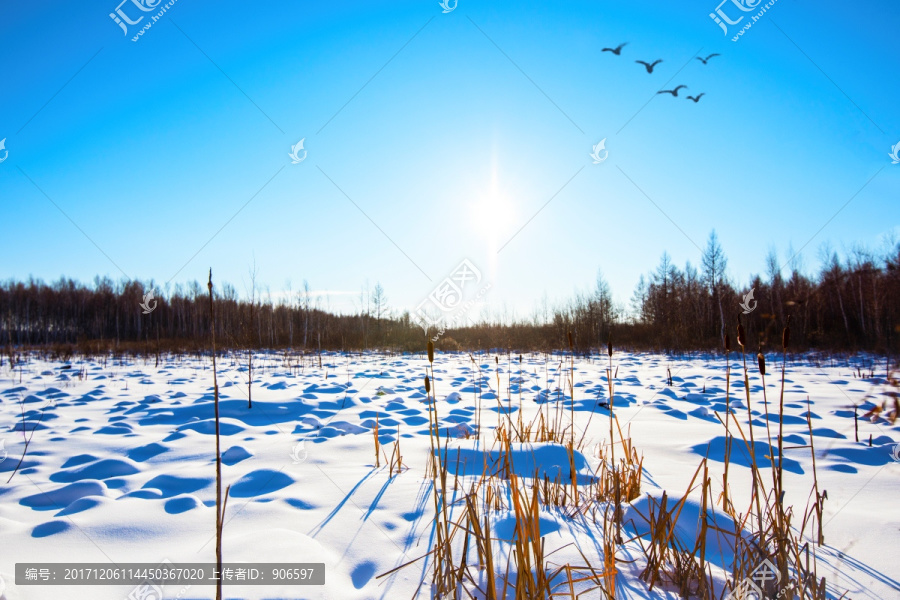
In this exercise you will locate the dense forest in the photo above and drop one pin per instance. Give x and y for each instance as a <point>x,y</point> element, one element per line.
<point>850,304</point>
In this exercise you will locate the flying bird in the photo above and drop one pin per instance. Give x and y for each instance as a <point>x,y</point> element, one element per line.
<point>673,92</point>
<point>649,66</point>
<point>696,98</point>
<point>704,60</point>
<point>617,51</point>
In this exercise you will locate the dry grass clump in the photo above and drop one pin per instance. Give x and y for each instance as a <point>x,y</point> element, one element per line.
<point>761,534</point>
<point>396,463</point>
<point>469,560</point>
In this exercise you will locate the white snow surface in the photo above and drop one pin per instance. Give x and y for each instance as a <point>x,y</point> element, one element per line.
<point>121,464</point>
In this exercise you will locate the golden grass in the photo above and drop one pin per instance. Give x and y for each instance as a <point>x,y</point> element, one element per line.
<point>465,555</point>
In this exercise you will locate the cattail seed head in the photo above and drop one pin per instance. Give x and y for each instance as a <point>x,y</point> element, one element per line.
<point>571,344</point>
<point>727,343</point>
<point>761,359</point>
<point>609,347</point>
<point>741,337</point>
<point>496,360</point>
<point>427,385</point>
<point>431,351</point>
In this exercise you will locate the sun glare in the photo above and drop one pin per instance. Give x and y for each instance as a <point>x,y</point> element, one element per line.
<point>493,212</point>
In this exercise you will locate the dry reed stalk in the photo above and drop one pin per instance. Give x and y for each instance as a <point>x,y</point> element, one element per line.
<point>757,484</point>
<point>521,381</point>
<point>476,394</point>
<point>700,546</point>
<point>574,474</point>
<point>820,499</point>
<point>610,572</point>
<point>667,558</point>
<point>572,392</point>
<point>434,461</point>
<point>726,501</point>
<point>375,432</point>
<point>785,341</point>
<point>612,449</point>
<point>443,563</point>
<point>220,509</point>
<point>25,436</point>
<point>396,457</point>
<point>782,541</point>
<point>761,362</point>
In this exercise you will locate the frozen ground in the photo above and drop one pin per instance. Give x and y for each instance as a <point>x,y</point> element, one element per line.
<point>121,466</point>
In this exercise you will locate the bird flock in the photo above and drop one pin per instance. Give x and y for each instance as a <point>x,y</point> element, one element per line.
<point>649,66</point>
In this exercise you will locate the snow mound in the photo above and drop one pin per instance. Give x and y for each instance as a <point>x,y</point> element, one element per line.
<point>172,485</point>
<point>180,504</point>
<point>544,459</point>
<point>102,469</point>
<point>145,453</point>
<point>234,455</point>
<point>59,498</point>
<point>261,482</point>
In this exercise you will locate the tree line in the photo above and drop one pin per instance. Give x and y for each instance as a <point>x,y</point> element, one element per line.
<point>851,303</point>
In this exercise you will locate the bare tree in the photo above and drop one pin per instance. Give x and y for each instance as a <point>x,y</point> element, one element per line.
<point>379,301</point>
<point>714,264</point>
<point>305,301</point>
<point>253,275</point>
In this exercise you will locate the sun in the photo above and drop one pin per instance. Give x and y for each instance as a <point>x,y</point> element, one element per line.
<point>493,212</point>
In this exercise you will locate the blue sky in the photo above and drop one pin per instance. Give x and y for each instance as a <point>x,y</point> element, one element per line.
<point>435,137</point>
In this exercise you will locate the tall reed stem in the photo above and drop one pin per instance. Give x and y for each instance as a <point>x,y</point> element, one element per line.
<point>219,506</point>
<point>757,484</point>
